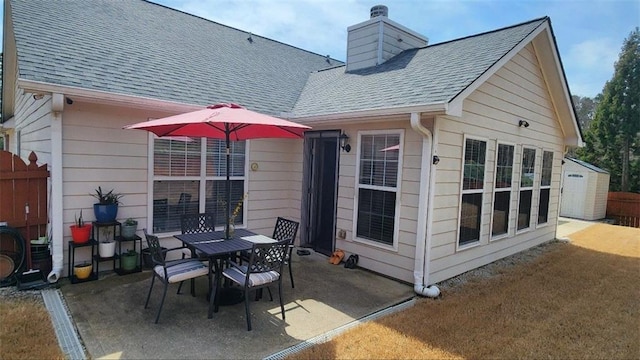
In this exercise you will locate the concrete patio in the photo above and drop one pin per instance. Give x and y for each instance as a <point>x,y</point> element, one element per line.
<point>110,317</point>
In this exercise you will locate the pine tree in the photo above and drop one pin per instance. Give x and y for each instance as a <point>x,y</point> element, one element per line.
<point>613,139</point>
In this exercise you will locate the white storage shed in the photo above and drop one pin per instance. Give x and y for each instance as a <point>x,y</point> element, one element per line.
<point>585,188</point>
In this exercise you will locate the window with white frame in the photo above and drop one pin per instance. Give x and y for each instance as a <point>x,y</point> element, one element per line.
<point>475,153</point>
<point>527,175</point>
<point>190,172</point>
<point>502,190</point>
<point>545,187</point>
<point>377,186</point>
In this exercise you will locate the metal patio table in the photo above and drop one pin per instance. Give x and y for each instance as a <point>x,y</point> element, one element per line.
<point>217,249</point>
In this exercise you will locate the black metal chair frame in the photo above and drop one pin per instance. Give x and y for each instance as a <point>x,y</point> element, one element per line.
<point>286,229</point>
<point>158,259</point>
<point>197,223</point>
<point>264,258</point>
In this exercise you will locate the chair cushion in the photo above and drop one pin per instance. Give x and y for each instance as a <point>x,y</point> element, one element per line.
<point>256,279</point>
<point>187,253</point>
<point>182,270</point>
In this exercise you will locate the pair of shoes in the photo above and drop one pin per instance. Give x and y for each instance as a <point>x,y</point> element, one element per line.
<point>351,262</point>
<point>337,256</point>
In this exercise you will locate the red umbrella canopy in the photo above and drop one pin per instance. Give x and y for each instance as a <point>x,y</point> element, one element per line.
<point>216,121</point>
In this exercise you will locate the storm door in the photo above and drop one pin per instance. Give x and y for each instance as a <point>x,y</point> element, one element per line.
<point>320,190</point>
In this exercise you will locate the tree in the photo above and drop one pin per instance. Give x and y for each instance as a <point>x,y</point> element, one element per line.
<point>613,138</point>
<point>585,110</point>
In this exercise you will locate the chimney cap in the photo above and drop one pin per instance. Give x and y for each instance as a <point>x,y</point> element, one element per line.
<point>379,10</point>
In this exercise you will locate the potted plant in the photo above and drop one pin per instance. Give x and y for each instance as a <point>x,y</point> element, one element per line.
<point>129,228</point>
<point>80,231</point>
<point>129,260</point>
<point>82,271</point>
<point>106,247</point>
<point>106,209</point>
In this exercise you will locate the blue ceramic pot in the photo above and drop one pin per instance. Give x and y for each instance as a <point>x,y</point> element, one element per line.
<point>105,213</point>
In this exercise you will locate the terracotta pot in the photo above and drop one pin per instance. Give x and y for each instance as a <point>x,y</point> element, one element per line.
<point>80,235</point>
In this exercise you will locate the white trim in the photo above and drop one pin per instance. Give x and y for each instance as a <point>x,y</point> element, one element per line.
<point>481,191</point>
<point>397,189</point>
<point>544,187</point>
<point>107,98</point>
<point>363,115</point>
<point>510,189</point>
<point>525,188</point>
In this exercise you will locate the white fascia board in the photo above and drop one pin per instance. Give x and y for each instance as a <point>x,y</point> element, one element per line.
<point>366,115</point>
<point>107,98</point>
<point>566,94</point>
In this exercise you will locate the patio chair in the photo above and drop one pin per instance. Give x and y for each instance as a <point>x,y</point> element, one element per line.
<point>171,272</point>
<point>286,229</point>
<point>196,223</point>
<point>263,269</point>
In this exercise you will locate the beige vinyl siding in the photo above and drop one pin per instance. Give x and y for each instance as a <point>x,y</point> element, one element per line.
<point>33,122</point>
<point>97,151</point>
<point>516,91</point>
<point>275,189</point>
<point>399,262</point>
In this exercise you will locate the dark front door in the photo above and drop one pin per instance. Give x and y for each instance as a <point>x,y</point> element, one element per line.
<point>320,182</point>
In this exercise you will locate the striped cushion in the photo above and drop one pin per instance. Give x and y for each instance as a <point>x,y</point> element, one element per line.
<point>183,270</point>
<point>256,279</point>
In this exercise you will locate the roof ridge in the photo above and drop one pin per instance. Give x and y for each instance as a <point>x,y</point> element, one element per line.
<point>487,32</point>
<point>239,30</point>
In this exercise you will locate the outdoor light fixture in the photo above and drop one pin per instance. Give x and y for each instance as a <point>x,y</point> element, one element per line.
<point>522,123</point>
<point>436,159</point>
<point>69,101</point>
<point>37,96</point>
<point>344,139</point>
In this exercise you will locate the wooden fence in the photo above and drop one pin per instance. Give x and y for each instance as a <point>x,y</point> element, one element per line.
<point>624,207</point>
<point>22,184</point>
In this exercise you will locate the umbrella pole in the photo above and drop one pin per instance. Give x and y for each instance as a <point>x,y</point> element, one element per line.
<point>227,217</point>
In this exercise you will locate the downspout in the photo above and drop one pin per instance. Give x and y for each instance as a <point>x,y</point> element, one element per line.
<point>425,211</point>
<point>57,234</point>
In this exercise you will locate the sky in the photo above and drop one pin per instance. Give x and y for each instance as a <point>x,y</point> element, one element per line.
<point>589,33</point>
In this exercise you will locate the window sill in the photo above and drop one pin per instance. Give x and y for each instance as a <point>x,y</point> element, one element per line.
<point>467,246</point>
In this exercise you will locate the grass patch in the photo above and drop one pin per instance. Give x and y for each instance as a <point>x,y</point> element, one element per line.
<point>575,300</point>
<point>26,331</point>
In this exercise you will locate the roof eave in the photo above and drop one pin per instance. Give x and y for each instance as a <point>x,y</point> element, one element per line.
<point>439,108</point>
<point>106,98</point>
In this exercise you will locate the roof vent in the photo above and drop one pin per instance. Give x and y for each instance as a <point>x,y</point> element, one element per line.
<point>379,10</point>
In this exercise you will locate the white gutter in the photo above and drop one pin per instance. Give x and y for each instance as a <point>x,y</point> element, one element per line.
<point>425,212</point>
<point>57,223</point>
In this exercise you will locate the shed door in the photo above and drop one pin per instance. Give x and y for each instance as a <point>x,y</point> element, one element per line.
<point>574,191</point>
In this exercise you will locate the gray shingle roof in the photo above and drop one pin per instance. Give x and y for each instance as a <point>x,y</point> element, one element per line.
<point>139,48</point>
<point>588,165</point>
<point>433,74</point>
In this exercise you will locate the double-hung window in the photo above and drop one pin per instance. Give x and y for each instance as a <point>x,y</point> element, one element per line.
<point>377,186</point>
<point>189,176</point>
<point>545,187</point>
<point>475,153</point>
<point>527,176</point>
<point>502,190</point>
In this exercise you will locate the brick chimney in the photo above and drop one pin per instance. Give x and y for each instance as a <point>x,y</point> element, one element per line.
<point>378,39</point>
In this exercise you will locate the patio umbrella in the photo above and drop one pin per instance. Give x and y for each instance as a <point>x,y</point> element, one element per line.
<point>230,122</point>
